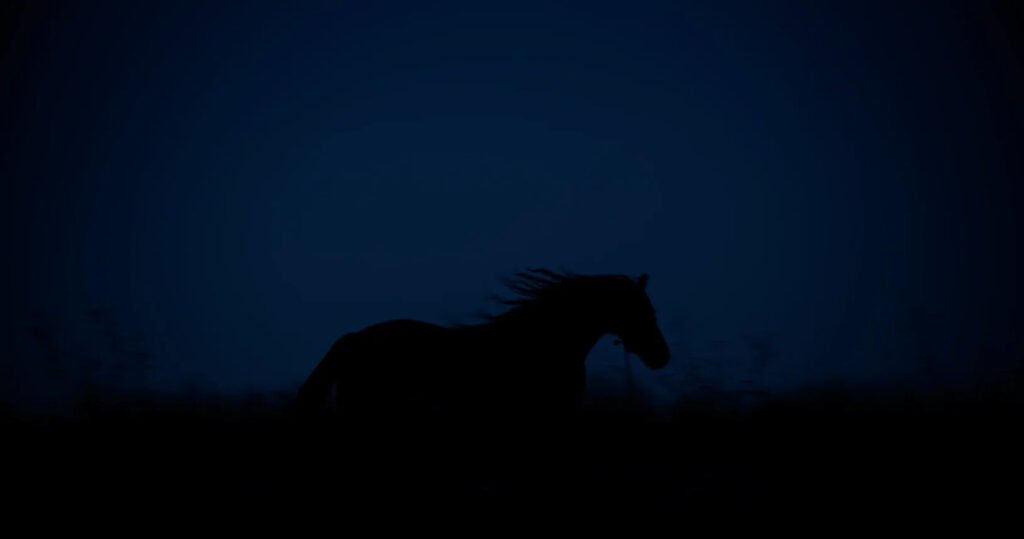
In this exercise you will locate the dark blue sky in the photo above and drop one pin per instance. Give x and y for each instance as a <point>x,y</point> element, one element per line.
<point>238,186</point>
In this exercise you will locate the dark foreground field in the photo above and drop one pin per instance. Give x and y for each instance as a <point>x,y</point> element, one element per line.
<point>816,453</point>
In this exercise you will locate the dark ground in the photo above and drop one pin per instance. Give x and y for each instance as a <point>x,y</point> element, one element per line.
<point>939,454</point>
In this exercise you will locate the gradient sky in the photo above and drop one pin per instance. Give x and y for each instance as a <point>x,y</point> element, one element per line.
<point>239,186</point>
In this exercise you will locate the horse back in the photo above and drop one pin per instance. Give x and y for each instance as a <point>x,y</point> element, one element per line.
<point>389,360</point>
<point>409,366</point>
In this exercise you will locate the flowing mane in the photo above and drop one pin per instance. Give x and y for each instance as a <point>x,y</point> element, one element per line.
<point>540,287</point>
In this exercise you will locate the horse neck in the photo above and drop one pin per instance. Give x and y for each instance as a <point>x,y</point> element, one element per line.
<point>570,333</point>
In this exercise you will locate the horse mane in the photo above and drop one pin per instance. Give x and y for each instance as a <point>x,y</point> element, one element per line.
<point>540,286</point>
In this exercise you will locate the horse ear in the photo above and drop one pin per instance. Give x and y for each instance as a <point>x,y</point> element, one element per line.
<point>642,281</point>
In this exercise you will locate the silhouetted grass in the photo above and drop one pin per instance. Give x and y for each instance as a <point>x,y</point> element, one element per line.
<point>824,450</point>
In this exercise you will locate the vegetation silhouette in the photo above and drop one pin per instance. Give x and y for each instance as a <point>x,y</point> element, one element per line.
<point>835,449</point>
<point>821,450</point>
<point>523,364</point>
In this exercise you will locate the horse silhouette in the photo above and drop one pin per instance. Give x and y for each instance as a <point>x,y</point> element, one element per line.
<point>527,362</point>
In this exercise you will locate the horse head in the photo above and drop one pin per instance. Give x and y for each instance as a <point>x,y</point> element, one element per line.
<point>632,319</point>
